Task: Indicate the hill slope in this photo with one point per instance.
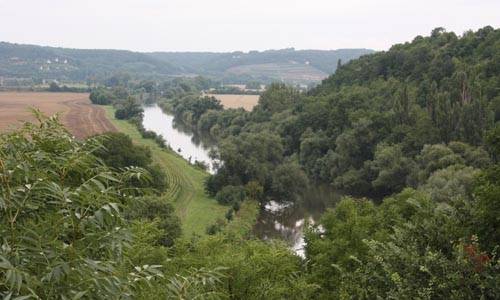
(37, 63)
(297, 66)
(30, 61)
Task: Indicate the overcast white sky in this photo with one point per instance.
(227, 25)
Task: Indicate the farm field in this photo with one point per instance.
(76, 112)
(246, 102)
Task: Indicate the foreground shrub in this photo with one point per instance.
(61, 227)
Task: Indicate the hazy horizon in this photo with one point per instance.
(237, 25)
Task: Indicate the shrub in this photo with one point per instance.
(230, 194)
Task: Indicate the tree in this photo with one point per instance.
(155, 209)
(102, 96)
(278, 97)
(340, 243)
(493, 142)
(54, 87)
(119, 152)
(288, 182)
(230, 194)
(391, 169)
(129, 109)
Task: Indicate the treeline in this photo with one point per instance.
(231, 90)
(55, 87)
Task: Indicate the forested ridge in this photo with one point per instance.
(414, 129)
(410, 136)
(374, 126)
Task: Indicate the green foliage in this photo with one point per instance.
(493, 142)
(248, 157)
(102, 96)
(189, 107)
(278, 97)
(254, 190)
(339, 243)
(253, 85)
(63, 233)
(54, 87)
(391, 168)
(248, 269)
(451, 183)
(379, 124)
(119, 152)
(409, 247)
(161, 212)
(487, 194)
(288, 182)
(221, 64)
(128, 109)
(230, 194)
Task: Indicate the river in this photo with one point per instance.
(275, 221)
(180, 139)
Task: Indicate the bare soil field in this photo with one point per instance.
(81, 117)
(247, 102)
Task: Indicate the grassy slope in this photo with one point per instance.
(193, 206)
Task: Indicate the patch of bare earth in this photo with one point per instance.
(246, 102)
(75, 110)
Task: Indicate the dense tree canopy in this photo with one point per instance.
(414, 128)
(369, 127)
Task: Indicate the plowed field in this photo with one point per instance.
(81, 117)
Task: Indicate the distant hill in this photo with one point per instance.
(37, 63)
(287, 64)
(29, 61)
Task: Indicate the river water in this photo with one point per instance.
(276, 221)
(180, 139)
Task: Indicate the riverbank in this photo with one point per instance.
(186, 191)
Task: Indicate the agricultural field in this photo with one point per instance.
(246, 102)
(82, 118)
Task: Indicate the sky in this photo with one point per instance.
(236, 25)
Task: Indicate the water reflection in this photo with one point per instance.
(287, 221)
(181, 139)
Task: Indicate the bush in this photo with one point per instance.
(158, 177)
(216, 227)
(102, 96)
(230, 194)
(229, 214)
(120, 152)
(129, 109)
(156, 209)
(62, 229)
